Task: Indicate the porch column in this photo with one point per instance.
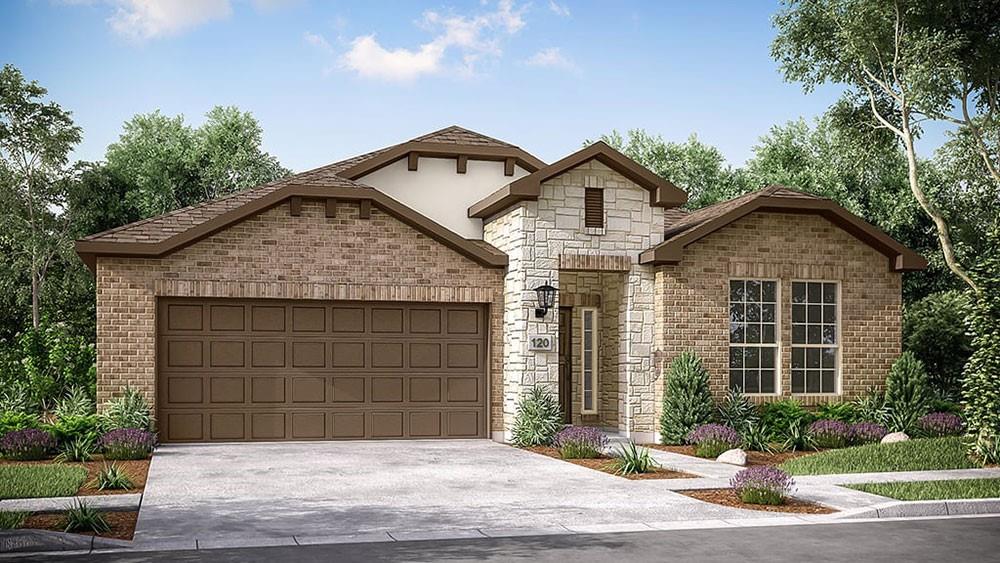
(637, 377)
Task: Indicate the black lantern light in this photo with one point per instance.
(546, 299)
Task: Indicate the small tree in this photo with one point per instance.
(907, 393)
(687, 401)
(981, 385)
(936, 330)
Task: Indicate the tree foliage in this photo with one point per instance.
(687, 401)
(936, 331)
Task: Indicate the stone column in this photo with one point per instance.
(637, 377)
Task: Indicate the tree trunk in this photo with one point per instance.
(36, 288)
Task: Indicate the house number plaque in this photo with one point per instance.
(540, 343)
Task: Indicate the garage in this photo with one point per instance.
(270, 370)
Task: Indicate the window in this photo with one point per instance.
(814, 337)
(753, 335)
(593, 208)
(588, 362)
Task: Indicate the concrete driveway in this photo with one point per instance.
(211, 492)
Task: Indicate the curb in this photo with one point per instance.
(918, 508)
(32, 541)
(119, 503)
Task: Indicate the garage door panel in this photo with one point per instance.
(232, 370)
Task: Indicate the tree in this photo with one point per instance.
(35, 140)
(904, 61)
(699, 169)
(229, 153)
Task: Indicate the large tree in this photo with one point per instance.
(36, 138)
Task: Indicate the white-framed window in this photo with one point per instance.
(588, 360)
(815, 337)
(753, 336)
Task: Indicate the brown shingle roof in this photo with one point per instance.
(456, 135)
(706, 214)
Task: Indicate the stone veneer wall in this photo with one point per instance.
(693, 296)
(275, 255)
(538, 236)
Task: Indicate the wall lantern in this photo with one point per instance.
(546, 300)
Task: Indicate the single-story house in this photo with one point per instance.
(418, 290)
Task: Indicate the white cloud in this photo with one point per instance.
(147, 19)
(317, 41)
(470, 37)
(551, 58)
(558, 9)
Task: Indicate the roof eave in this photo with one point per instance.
(442, 150)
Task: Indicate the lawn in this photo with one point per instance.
(40, 480)
(934, 490)
(913, 455)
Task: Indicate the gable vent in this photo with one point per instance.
(593, 203)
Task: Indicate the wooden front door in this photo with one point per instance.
(566, 363)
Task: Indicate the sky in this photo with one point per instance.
(331, 79)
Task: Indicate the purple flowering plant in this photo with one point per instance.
(867, 432)
(127, 443)
(762, 484)
(938, 424)
(27, 445)
(830, 433)
(575, 442)
(710, 440)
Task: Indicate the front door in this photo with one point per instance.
(566, 363)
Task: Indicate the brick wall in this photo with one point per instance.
(275, 255)
(693, 296)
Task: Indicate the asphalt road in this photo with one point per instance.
(965, 539)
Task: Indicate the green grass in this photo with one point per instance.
(913, 455)
(934, 490)
(11, 520)
(40, 480)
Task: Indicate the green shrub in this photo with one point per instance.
(538, 418)
(112, 477)
(755, 438)
(79, 449)
(797, 438)
(687, 401)
(12, 421)
(631, 460)
(844, 412)
(736, 411)
(981, 385)
(871, 407)
(72, 427)
(128, 410)
(11, 520)
(936, 331)
(76, 403)
(46, 363)
(779, 417)
(85, 518)
(907, 394)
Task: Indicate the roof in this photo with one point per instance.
(159, 235)
(695, 225)
(662, 193)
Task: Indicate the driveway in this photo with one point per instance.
(214, 491)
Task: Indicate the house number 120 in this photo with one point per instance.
(540, 343)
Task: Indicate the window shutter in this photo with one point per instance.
(593, 203)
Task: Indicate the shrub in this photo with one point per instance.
(112, 477)
(936, 331)
(79, 449)
(736, 411)
(127, 443)
(830, 433)
(11, 520)
(687, 401)
(942, 405)
(47, 362)
(867, 432)
(981, 380)
(870, 407)
(762, 484)
(755, 438)
(779, 417)
(907, 393)
(11, 421)
(27, 445)
(85, 518)
(538, 418)
(73, 427)
(939, 424)
(129, 410)
(631, 460)
(710, 440)
(577, 442)
(76, 403)
(844, 412)
(796, 438)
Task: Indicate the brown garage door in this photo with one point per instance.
(310, 370)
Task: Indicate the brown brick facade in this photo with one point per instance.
(276, 255)
(692, 307)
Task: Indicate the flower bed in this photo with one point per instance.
(122, 524)
(753, 457)
(603, 464)
(21, 479)
(728, 497)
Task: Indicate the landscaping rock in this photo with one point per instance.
(895, 437)
(735, 456)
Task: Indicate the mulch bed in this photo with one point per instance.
(753, 458)
(137, 471)
(727, 497)
(122, 524)
(603, 464)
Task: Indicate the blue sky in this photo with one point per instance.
(331, 79)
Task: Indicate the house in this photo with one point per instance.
(394, 295)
